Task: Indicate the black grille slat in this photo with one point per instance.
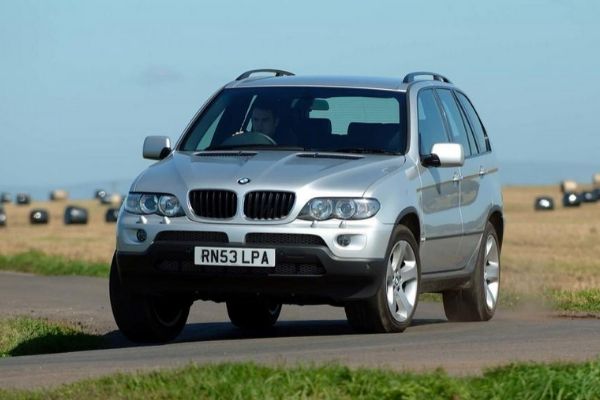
(284, 239)
(192, 236)
(268, 205)
(219, 204)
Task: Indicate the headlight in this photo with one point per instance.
(169, 205)
(153, 203)
(320, 209)
(149, 203)
(325, 208)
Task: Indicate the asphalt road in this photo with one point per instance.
(315, 334)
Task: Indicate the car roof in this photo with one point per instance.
(364, 82)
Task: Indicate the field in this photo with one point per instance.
(542, 251)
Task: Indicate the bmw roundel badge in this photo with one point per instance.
(243, 181)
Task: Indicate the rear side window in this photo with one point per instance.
(478, 130)
(431, 124)
(455, 121)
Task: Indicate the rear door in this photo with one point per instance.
(474, 202)
(439, 194)
(480, 185)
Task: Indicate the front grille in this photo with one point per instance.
(284, 239)
(218, 204)
(268, 205)
(192, 236)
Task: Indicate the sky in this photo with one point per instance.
(82, 83)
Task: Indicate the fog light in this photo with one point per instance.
(344, 240)
(141, 235)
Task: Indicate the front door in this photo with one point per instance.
(439, 194)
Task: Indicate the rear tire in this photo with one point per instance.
(145, 318)
(478, 302)
(253, 313)
(394, 304)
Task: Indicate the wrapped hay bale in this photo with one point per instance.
(112, 215)
(75, 215)
(39, 216)
(23, 199)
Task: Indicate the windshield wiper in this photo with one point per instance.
(364, 150)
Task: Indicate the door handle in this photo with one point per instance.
(482, 171)
(457, 177)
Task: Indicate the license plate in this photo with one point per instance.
(234, 257)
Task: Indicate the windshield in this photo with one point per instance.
(309, 118)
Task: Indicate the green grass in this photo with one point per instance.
(39, 263)
(21, 336)
(583, 301)
(250, 381)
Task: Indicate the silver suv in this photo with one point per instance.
(350, 191)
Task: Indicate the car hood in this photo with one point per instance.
(327, 173)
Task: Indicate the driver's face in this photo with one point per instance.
(263, 121)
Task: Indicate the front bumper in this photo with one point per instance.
(304, 274)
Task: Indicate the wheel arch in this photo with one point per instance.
(409, 217)
(496, 218)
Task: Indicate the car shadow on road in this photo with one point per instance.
(212, 331)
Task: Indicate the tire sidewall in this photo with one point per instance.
(479, 284)
(393, 325)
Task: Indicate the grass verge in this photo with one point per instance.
(580, 301)
(39, 263)
(20, 336)
(250, 381)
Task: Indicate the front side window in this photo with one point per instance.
(431, 124)
(311, 118)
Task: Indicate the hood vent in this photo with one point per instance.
(225, 154)
(330, 156)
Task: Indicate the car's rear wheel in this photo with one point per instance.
(145, 318)
(478, 302)
(394, 304)
(253, 313)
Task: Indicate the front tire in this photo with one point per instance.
(253, 314)
(145, 318)
(478, 302)
(394, 304)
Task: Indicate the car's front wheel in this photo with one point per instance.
(145, 318)
(394, 304)
(253, 313)
(478, 301)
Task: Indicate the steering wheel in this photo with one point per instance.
(249, 138)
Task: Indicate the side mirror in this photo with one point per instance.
(445, 155)
(156, 147)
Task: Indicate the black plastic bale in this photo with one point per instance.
(23, 199)
(2, 218)
(75, 215)
(544, 203)
(39, 216)
(111, 215)
(571, 199)
(100, 194)
(5, 197)
(589, 196)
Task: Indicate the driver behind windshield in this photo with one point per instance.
(265, 118)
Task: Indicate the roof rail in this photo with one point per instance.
(411, 77)
(277, 72)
